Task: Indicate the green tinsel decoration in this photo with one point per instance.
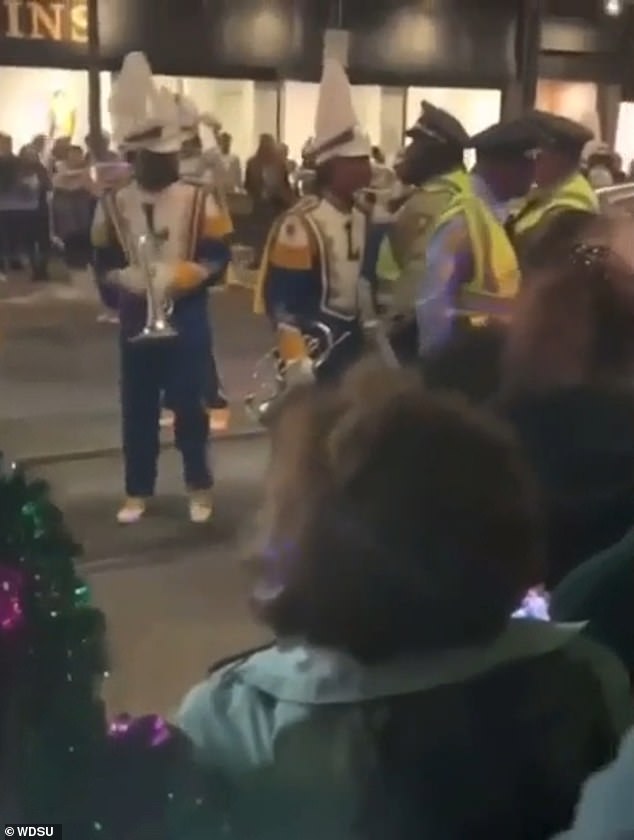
(67, 767)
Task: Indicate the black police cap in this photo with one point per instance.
(513, 138)
(439, 125)
(560, 132)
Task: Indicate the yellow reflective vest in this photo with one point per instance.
(575, 193)
(387, 269)
(495, 275)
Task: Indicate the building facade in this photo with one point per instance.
(255, 63)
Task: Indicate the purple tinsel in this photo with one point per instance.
(150, 730)
(11, 593)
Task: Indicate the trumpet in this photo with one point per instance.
(287, 370)
(159, 306)
(120, 224)
(142, 253)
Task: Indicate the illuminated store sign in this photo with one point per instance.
(44, 20)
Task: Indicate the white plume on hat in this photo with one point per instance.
(138, 107)
(189, 116)
(210, 121)
(337, 131)
(191, 120)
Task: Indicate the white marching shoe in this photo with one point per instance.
(201, 507)
(132, 511)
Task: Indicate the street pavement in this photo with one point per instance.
(175, 595)
(59, 371)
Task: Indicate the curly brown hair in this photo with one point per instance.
(574, 324)
(397, 521)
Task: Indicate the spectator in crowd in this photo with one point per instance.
(59, 153)
(73, 205)
(617, 170)
(383, 176)
(22, 201)
(305, 177)
(40, 144)
(401, 700)
(606, 809)
(567, 391)
(267, 183)
(377, 156)
(98, 149)
(266, 178)
(36, 240)
(230, 168)
(600, 592)
(376, 203)
(289, 163)
(600, 166)
(8, 181)
(192, 164)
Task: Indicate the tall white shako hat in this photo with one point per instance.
(337, 130)
(191, 119)
(144, 116)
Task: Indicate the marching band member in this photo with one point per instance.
(201, 168)
(311, 267)
(188, 254)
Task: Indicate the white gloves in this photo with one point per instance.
(132, 279)
(299, 372)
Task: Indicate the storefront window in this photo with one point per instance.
(624, 143)
(575, 100)
(230, 101)
(42, 100)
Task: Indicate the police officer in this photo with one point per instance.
(433, 164)
(455, 355)
(470, 275)
(505, 163)
(562, 193)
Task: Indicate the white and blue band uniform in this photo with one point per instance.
(503, 173)
(200, 168)
(311, 271)
(186, 227)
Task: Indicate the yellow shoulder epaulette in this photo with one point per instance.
(292, 245)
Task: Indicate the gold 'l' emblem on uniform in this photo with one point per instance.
(353, 254)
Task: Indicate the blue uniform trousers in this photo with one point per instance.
(177, 372)
(374, 239)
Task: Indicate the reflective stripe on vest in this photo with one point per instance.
(496, 274)
(391, 260)
(574, 194)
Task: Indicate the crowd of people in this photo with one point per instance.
(445, 556)
(49, 191)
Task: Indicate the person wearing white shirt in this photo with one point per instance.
(229, 166)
